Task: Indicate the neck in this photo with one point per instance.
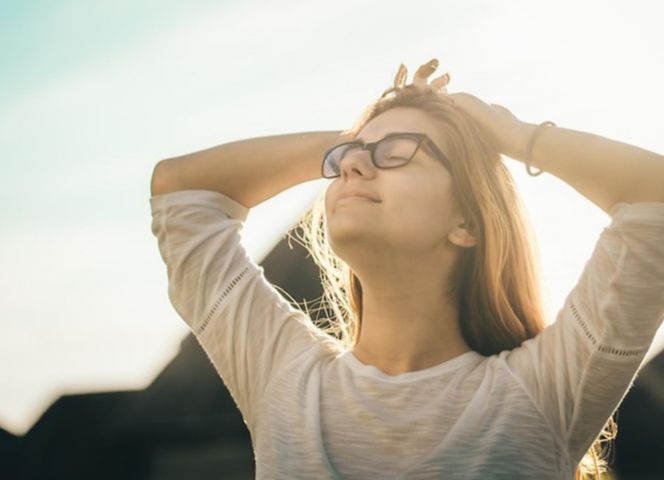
(405, 332)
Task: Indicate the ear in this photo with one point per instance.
(460, 235)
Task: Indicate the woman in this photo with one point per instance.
(437, 363)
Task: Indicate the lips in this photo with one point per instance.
(357, 193)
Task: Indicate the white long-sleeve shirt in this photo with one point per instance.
(315, 411)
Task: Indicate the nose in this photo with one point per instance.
(357, 162)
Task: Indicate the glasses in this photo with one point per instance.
(392, 151)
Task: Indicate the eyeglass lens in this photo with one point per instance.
(389, 152)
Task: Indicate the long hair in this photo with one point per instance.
(495, 284)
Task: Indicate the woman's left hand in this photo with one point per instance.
(506, 131)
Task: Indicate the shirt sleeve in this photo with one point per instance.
(579, 368)
(246, 327)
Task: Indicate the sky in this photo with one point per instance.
(94, 94)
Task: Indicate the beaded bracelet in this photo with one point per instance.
(529, 150)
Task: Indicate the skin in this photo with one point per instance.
(401, 248)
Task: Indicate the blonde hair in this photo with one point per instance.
(495, 284)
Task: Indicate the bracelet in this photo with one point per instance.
(529, 150)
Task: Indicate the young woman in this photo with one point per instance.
(439, 362)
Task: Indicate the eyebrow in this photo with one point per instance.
(358, 139)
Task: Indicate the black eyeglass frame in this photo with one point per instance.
(422, 138)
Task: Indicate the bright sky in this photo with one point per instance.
(91, 97)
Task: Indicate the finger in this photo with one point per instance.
(424, 71)
(440, 83)
(427, 69)
(400, 78)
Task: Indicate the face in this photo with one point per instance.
(413, 212)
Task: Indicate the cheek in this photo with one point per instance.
(419, 214)
(418, 195)
(327, 201)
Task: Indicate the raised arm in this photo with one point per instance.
(199, 202)
(251, 170)
(605, 171)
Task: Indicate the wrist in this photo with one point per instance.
(520, 143)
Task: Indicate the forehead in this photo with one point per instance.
(399, 119)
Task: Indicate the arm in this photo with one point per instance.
(604, 171)
(249, 171)
(199, 202)
(248, 330)
(579, 368)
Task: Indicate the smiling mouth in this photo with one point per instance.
(355, 197)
